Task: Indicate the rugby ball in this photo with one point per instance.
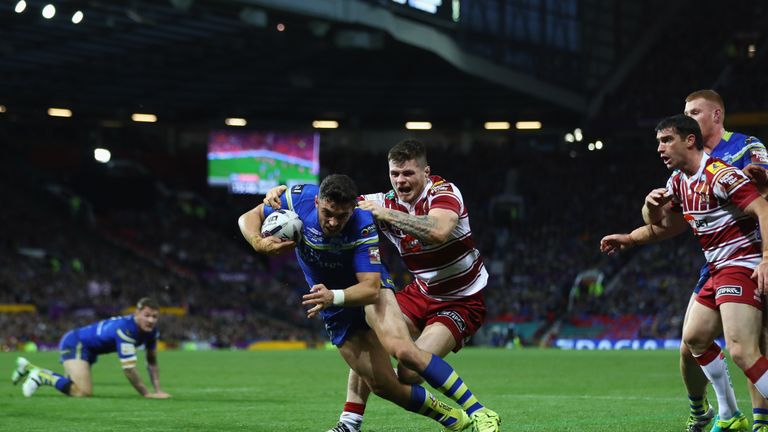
(283, 224)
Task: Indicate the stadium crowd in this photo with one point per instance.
(182, 250)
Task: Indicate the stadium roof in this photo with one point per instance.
(204, 60)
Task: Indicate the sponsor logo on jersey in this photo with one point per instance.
(758, 155)
(410, 243)
(455, 317)
(695, 223)
(374, 255)
(715, 167)
(365, 232)
(297, 189)
(730, 180)
(728, 290)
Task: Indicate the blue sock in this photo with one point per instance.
(57, 380)
(442, 377)
(761, 417)
(422, 402)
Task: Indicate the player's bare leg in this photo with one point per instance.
(365, 354)
(699, 333)
(79, 371)
(742, 328)
(76, 383)
(358, 391)
(436, 339)
(701, 413)
(385, 318)
(759, 403)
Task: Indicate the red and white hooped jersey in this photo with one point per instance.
(713, 202)
(445, 271)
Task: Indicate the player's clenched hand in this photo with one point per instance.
(761, 276)
(658, 197)
(158, 395)
(272, 198)
(320, 297)
(613, 243)
(274, 246)
(757, 174)
(373, 207)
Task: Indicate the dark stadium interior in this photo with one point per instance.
(83, 240)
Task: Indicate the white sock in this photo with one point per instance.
(353, 421)
(717, 373)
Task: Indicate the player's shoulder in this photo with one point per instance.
(741, 140)
(361, 224)
(441, 186)
(303, 190)
(301, 198)
(715, 166)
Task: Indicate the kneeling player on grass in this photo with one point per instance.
(339, 257)
(81, 347)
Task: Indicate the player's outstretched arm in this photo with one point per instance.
(365, 291)
(135, 380)
(250, 224)
(272, 198)
(671, 224)
(154, 374)
(432, 228)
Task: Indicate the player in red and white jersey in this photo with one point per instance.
(444, 270)
(712, 201)
(721, 205)
(425, 217)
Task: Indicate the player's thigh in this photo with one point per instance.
(702, 327)
(742, 325)
(386, 319)
(691, 302)
(367, 357)
(436, 339)
(764, 329)
(79, 371)
(413, 329)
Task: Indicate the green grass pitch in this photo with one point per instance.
(265, 167)
(532, 390)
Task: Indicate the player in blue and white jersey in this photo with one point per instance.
(81, 347)
(351, 290)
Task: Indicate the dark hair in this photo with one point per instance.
(683, 126)
(339, 189)
(147, 302)
(708, 95)
(409, 149)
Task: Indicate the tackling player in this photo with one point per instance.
(340, 260)
(81, 347)
(425, 218)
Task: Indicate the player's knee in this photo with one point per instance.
(78, 391)
(744, 356)
(685, 352)
(380, 388)
(695, 344)
(81, 393)
(408, 356)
